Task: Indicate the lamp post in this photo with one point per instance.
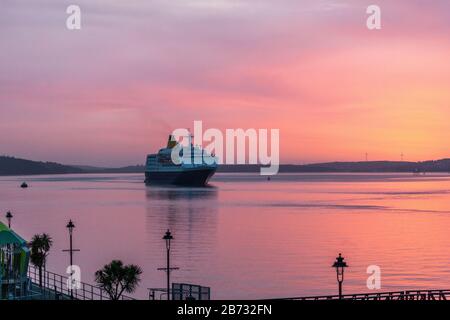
(168, 238)
(8, 259)
(9, 217)
(70, 226)
(340, 266)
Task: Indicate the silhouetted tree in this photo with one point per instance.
(40, 247)
(115, 278)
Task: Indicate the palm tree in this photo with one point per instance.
(115, 278)
(40, 246)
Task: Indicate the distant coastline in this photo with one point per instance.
(11, 166)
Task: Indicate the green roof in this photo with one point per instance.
(7, 236)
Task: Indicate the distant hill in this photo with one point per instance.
(374, 166)
(10, 166)
(15, 166)
(366, 166)
(128, 169)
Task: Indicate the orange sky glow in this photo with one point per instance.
(111, 92)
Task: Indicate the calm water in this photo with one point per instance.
(246, 237)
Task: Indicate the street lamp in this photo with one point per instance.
(70, 226)
(168, 238)
(9, 217)
(340, 266)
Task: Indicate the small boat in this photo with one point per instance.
(24, 185)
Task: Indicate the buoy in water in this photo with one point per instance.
(24, 185)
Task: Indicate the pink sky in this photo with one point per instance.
(112, 91)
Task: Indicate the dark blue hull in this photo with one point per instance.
(194, 177)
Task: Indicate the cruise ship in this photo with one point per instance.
(193, 165)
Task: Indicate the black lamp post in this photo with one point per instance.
(9, 217)
(8, 268)
(340, 266)
(168, 237)
(70, 226)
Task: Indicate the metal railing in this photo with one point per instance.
(180, 291)
(175, 294)
(392, 295)
(54, 287)
(428, 294)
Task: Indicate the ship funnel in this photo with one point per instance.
(171, 143)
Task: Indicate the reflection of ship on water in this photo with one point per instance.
(193, 166)
(176, 207)
(172, 193)
(191, 214)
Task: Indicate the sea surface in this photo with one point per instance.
(245, 236)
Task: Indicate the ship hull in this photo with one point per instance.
(194, 177)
